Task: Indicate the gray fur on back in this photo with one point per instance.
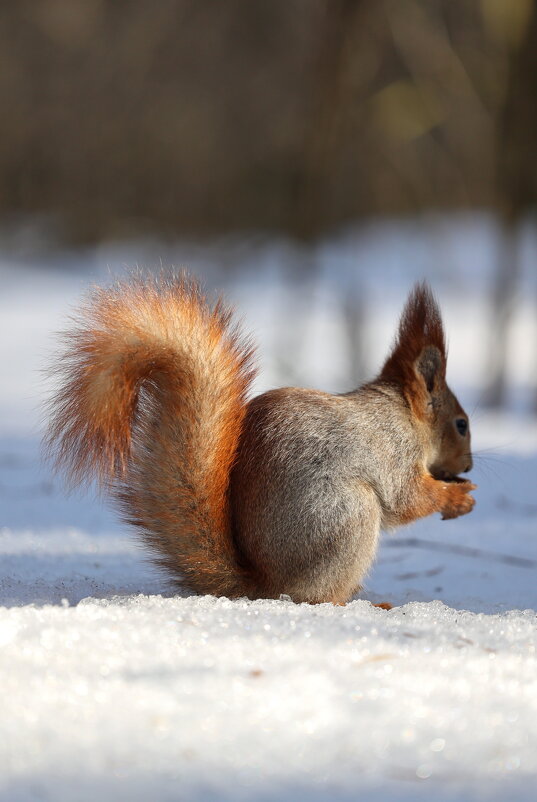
(316, 478)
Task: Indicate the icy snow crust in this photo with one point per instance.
(144, 697)
(113, 686)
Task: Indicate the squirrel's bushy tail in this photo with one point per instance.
(151, 400)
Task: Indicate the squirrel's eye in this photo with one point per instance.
(462, 426)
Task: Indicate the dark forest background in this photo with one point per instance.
(289, 115)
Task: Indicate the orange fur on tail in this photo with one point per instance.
(151, 401)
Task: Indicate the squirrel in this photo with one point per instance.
(283, 494)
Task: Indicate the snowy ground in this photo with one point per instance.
(112, 688)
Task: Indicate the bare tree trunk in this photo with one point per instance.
(329, 104)
(517, 193)
(503, 302)
(354, 318)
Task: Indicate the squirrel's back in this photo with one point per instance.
(321, 485)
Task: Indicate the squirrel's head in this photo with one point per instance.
(417, 365)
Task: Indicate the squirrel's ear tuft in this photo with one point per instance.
(418, 358)
(421, 322)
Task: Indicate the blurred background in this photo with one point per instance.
(312, 158)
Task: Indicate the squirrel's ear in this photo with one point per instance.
(430, 365)
(418, 359)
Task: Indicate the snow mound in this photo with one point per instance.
(145, 697)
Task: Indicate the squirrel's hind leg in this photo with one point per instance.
(340, 556)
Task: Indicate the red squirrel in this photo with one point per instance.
(285, 493)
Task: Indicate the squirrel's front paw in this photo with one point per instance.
(458, 501)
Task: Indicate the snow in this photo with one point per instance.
(147, 697)
(113, 687)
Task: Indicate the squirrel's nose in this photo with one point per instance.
(469, 466)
